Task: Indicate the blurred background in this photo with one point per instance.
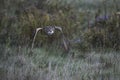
(91, 29)
(95, 22)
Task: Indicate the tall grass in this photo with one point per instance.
(50, 65)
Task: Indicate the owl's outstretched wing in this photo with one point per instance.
(63, 38)
(59, 28)
(118, 13)
(38, 29)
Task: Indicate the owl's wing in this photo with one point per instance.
(59, 28)
(38, 29)
(63, 38)
(118, 13)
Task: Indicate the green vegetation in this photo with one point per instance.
(92, 30)
(19, 19)
(22, 64)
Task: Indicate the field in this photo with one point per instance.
(22, 64)
(91, 30)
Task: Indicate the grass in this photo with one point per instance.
(49, 62)
(22, 64)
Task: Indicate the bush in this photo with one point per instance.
(107, 36)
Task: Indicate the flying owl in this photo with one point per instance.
(50, 30)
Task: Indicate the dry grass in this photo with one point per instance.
(51, 65)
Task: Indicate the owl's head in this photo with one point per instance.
(49, 30)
